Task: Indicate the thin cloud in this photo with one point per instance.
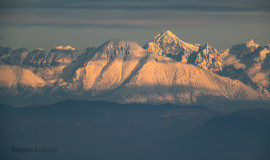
(78, 18)
(131, 13)
(138, 5)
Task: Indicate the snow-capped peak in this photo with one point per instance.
(168, 44)
(208, 58)
(116, 43)
(68, 47)
(39, 49)
(208, 47)
(169, 34)
(251, 43)
(166, 37)
(120, 44)
(119, 47)
(241, 50)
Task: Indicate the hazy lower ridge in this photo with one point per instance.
(104, 130)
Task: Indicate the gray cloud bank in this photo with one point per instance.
(182, 5)
(84, 23)
(132, 13)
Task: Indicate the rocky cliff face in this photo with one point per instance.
(168, 44)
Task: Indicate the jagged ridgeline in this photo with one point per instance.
(165, 70)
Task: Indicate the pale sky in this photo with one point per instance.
(89, 23)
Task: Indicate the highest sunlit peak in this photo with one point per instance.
(167, 32)
(251, 41)
(166, 36)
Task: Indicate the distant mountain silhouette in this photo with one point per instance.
(105, 130)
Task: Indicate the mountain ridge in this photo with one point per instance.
(165, 70)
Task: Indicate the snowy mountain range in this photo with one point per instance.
(165, 70)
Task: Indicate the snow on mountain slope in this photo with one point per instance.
(12, 76)
(15, 57)
(256, 72)
(169, 45)
(122, 71)
(207, 58)
(244, 55)
(241, 50)
(111, 65)
(39, 57)
(68, 47)
(4, 51)
(167, 71)
(56, 57)
(50, 65)
(36, 58)
(50, 75)
(248, 57)
(162, 80)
